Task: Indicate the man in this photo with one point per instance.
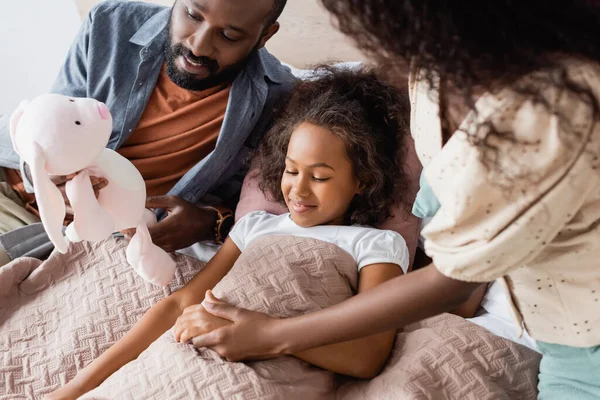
(191, 90)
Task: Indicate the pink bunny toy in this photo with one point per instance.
(60, 135)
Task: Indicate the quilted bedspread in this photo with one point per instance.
(58, 315)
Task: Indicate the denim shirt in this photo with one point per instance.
(117, 57)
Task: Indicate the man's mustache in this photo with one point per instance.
(212, 65)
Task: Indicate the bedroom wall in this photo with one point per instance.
(36, 35)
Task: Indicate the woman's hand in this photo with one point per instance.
(195, 321)
(249, 334)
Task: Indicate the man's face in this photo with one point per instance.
(212, 40)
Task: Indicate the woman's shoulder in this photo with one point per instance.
(527, 111)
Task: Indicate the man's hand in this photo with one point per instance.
(61, 183)
(184, 225)
(195, 321)
(251, 336)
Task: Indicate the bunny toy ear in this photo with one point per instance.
(49, 199)
(14, 122)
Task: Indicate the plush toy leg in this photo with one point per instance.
(90, 221)
(149, 260)
(71, 233)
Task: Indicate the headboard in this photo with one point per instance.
(306, 37)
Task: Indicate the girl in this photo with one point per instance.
(504, 99)
(334, 160)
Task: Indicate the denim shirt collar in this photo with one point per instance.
(154, 34)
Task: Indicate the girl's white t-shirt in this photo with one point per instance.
(365, 244)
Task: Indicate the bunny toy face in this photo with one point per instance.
(71, 132)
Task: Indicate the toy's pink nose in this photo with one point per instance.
(103, 110)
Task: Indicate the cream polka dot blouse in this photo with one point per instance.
(525, 207)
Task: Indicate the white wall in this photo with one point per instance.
(35, 36)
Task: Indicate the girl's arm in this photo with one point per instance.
(152, 325)
(361, 358)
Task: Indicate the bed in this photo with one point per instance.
(58, 315)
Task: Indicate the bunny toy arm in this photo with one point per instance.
(91, 221)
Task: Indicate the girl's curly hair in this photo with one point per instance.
(474, 44)
(371, 117)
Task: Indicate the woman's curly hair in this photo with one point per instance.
(474, 44)
(369, 116)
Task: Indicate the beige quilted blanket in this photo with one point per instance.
(56, 316)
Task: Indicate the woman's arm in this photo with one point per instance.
(361, 358)
(470, 307)
(152, 325)
(391, 305)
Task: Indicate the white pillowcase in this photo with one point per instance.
(309, 73)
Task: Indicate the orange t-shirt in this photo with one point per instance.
(177, 129)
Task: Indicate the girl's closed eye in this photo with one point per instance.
(320, 179)
(291, 172)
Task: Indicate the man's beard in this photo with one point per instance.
(187, 80)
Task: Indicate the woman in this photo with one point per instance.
(504, 99)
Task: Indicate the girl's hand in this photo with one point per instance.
(195, 321)
(249, 334)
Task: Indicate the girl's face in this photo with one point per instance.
(318, 183)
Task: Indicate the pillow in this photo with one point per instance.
(253, 199)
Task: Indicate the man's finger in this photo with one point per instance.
(98, 183)
(128, 233)
(166, 202)
(58, 179)
(61, 179)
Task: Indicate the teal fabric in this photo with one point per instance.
(569, 372)
(426, 204)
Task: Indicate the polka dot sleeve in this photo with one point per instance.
(504, 197)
